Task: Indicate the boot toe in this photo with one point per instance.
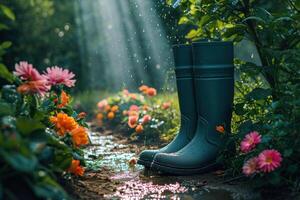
(146, 157)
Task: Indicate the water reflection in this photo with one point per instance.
(138, 183)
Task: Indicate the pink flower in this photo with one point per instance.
(134, 108)
(56, 75)
(27, 72)
(250, 166)
(35, 82)
(269, 160)
(146, 119)
(102, 104)
(250, 141)
(125, 92)
(132, 121)
(166, 105)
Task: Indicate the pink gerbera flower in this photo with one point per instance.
(250, 141)
(269, 160)
(250, 167)
(27, 72)
(56, 75)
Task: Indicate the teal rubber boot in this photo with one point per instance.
(214, 87)
(186, 96)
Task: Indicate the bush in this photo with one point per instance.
(41, 136)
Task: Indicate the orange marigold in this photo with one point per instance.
(79, 136)
(75, 168)
(111, 115)
(115, 108)
(64, 99)
(63, 123)
(107, 108)
(143, 88)
(100, 116)
(139, 128)
(220, 129)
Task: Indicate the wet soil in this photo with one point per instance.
(110, 176)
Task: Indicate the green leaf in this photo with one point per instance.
(8, 12)
(27, 126)
(6, 109)
(192, 34)
(254, 18)
(20, 162)
(3, 27)
(288, 152)
(239, 109)
(6, 44)
(258, 93)
(62, 159)
(47, 188)
(5, 74)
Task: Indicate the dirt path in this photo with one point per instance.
(111, 177)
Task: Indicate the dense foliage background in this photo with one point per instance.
(267, 93)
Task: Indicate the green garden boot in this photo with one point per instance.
(186, 95)
(214, 86)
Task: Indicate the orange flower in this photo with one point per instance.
(139, 128)
(115, 108)
(145, 107)
(132, 162)
(81, 115)
(151, 92)
(75, 168)
(107, 108)
(143, 88)
(133, 96)
(111, 115)
(100, 116)
(132, 121)
(39, 86)
(64, 100)
(220, 129)
(166, 105)
(79, 136)
(63, 123)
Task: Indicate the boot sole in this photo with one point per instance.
(146, 163)
(184, 171)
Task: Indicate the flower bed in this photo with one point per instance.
(41, 136)
(143, 116)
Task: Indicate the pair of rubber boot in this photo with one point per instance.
(205, 84)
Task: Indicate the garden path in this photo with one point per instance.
(113, 178)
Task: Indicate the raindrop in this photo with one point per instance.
(61, 34)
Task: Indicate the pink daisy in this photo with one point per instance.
(250, 166)
(269, 160)
(56, 75)
(250, 141)
(27, 72)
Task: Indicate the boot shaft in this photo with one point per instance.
(214, 86)
(185, 86)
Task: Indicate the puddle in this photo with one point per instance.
(138, 183)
